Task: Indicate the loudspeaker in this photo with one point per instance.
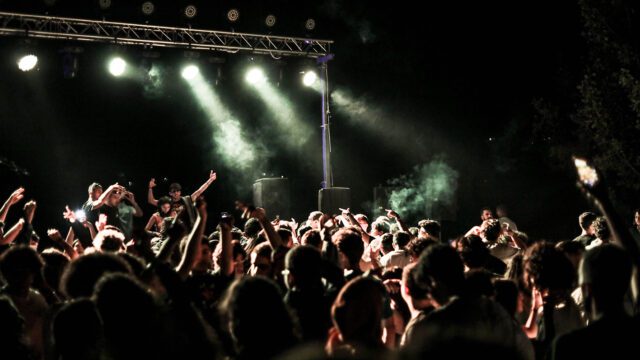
(272, 194)
(330, 200)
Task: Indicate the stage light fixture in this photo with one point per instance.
(255, 76)
(104, 4)
(310, 24)
(309, 78)
(81, 216)
(190, 11)
(233, 15)
(270, 21)
(117, 66)
(27, 62)
(190, 71)
(148, 8)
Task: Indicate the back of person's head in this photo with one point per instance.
(357, 312)
(260, 323)
(315, 215)
(109, 240)
(401, 239)
(303, 263)
(349, 243)
(252, 228)
(601, 228)
(491, 229)
(54, 264)
(20, 265)
(441, 272)
(430, 227)
(380, 226)
(586, 219)
(12, 335)
(473, 251)
(84, 272)
(136, 263)
(312, 238)
(606, 271)
(77, 331)
(547, 268)
(285, 235)
(386, 243)
(163, 201)
(478, 283)
(506, 294)
(414, 289)
(418, 245)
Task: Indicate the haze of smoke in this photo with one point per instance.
(153, 83)
(427, 184)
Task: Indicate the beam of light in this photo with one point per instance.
(255, 76)
(296, 131)
(190, 72)
(117, 66)
(309, 78)
(229, 139)
(28, 62)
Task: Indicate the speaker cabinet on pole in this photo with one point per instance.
(272, 194)
(330, 200)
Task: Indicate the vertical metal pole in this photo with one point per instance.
(326, 131)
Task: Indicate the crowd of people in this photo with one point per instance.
(334, 286)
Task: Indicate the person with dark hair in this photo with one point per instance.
(585, 220)
(109, 240)
(82, 273)
(260, 330)
(55, 263)
(601, 232)
(154, 225)
(306, 294)
(357, 315)
(475, 255)
(12, 332)
(251, 230)
(491, 230)
(549, 275)
(350, 249)
(604, 276)
(506, 294)
(71, 344)
(312, 238)
(486, 214)
(95, 191)
(131, 319)
(417, 245)
(261, 261)
(416, 298)
(400, 256)
(573, 250)
(429, 229)
(20, 267)
(440, 273)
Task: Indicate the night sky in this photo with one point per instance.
(454, 80)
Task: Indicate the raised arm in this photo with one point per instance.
(210, 180)
(226, 262)
(96, 204)
(354, 222)
(193, 243)
(270, 232)
(150, 198)
(394, 215)
(13, 199)
(132, 199)
(13, 233)
(55, 235)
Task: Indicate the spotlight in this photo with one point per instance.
(255, 76)
(28, 62)
(310, 24)
(80, 215)
(270, 21)
(148, 8)
(233, 15)
(190, 71)
(104, 4)
(117, 66)
(190, 11)
(309, 78)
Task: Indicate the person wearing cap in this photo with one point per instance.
(182, 205)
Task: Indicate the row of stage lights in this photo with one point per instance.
(118, 66)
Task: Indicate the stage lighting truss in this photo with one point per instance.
(49, 27)
(233, 15)
(190, 12)
(148, 8)
(270, 21)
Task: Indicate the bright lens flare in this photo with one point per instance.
(80, 215)
(309, 78)
(27, 63)
(255, 76)
(117, 66)
(190, 72)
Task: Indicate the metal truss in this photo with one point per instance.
(51, 27)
